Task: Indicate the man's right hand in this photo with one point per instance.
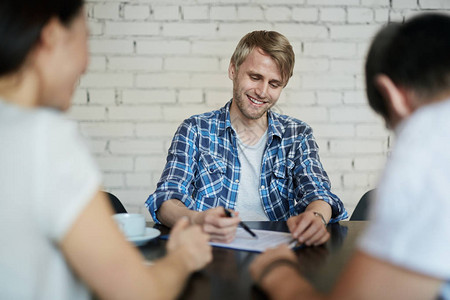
(220, 227)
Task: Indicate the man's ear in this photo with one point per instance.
(51, 33)
(231, 71)
(398, 102)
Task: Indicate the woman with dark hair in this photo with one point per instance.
(57, 239)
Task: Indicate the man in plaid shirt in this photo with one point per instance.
(248, 159)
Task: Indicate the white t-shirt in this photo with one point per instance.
(47, 177)
(248, 202)
(410, 224)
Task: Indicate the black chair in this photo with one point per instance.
(361, 210)
(116, 204)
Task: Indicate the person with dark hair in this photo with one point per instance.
(404, 253)
(58, 239)
(247, 158)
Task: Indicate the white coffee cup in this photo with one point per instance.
(131, 224)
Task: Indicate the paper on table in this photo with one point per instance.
(266, 239)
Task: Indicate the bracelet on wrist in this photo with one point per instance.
(318, 214)
(276, 263)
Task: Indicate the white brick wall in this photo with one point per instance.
(155, 63)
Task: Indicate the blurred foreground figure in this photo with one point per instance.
(57, 237)
(404, 254)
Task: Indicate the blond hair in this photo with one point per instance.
(271, 42)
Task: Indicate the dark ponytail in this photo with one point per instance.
(21, 23)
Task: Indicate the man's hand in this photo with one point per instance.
(308, 229)
(192, 243)
(220, 227)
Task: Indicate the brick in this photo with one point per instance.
(372, 131)
(135, 63)
(302, 30)
(189, 29)
(217, 99)
(344, 146)
(198, 12)
(353, 31)
(116, 163)
(305, 14)
(163, 129)
(278, 13)
(359, 15)
(330, 81)
(333, 50)
(190, 96)
(355, 97)
(375, 3)
(158, 80)
(113, 180)
(434, 4)
(135, 113)
(333, 2)
(102, 96)
(404, 4)
(215, 48)
(95, 28)
(110, 46)
(223, 13)
(332, 14)
(101, 80)
(151, 163)
(97, 63)
(337, 164)
(306, 114)
(134, 146)
(102, 129)
(166, 12)
(148, 96)
(86, 113)
(181, 112)
(355, 114)
(212, 80)
(307, 64)
(381, 15)
(162, 47)
(79, 96)
(252, 13)
(329, 98)
(370, 163)
(301, 98)
(136, 12)
(191, 64)
(356, 180)
(96, 147)
(334, 130)
(106, 11)
(347, 66)
(132, 28)
(137, 179)
(238, 30)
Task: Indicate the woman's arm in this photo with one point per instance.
(114, 269)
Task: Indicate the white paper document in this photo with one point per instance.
(266, 239)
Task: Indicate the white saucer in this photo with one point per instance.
(150, 233)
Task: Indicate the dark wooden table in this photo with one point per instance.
(227, 277)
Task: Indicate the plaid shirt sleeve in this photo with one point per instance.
(176, 179)
(311, 180)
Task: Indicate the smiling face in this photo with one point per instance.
(257, 85)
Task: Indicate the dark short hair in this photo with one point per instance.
(271, 42)
(414, 55)
(21, 23)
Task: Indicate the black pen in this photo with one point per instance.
(229, 214)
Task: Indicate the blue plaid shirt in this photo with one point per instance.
(203, 168)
